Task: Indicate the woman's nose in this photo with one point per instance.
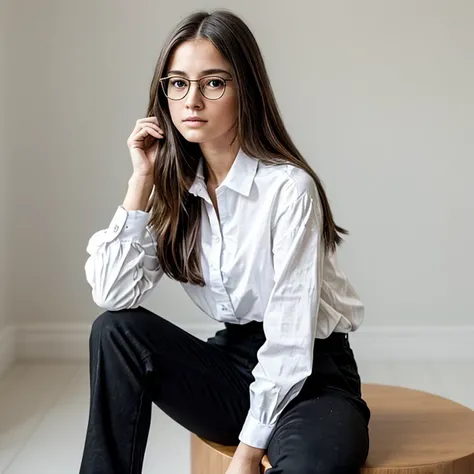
(194, 95)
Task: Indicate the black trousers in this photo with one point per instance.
(138, 358)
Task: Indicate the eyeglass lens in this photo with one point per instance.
(177, 87)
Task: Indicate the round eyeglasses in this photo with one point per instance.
(177, 87)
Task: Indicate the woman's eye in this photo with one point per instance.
(213, 83)
(177, 83)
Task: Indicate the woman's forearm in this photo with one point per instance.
(138, 193)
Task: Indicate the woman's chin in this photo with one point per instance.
(194, 136)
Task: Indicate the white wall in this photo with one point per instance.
(377, 95)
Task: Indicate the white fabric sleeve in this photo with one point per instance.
(285, 359)
(122, 268)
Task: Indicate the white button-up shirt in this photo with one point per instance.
(262, 259)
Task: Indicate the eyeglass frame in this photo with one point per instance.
(199, 86)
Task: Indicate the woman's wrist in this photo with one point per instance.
(138, 193)
(141, 178)
(249, 452)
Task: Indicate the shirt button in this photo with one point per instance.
(223, 307)
(216, 238)
(116, 227)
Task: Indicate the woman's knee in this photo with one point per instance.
(111, 320)
(136, 322)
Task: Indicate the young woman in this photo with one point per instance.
(221, 200)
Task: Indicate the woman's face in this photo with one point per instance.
(193, 60)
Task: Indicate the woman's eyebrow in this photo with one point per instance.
(203, 73)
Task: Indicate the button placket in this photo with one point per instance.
(221, 296)
(216, 247)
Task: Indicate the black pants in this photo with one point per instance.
(138, 358)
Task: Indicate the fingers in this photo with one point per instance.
(151, 131)
(144, 127)
(149, 121)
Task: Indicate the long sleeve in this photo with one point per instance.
(122, 268)
(285, 359)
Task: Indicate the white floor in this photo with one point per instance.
(44, 410)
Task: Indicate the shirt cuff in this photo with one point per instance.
(128, 224)
(254, 433)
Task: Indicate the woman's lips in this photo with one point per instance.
(194, 123)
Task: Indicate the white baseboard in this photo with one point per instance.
(7, 348)
(70, 342)
(60, 341)
(413, 342)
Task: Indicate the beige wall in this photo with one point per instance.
(3, 162)
(377, 95)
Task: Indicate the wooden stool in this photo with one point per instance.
(411, 432)
(213, 458)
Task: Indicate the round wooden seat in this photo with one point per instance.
(411, 432)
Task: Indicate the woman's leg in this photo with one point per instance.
(324, 429)
(138, 357)
(321, 435)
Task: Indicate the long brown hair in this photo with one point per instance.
(175, 214)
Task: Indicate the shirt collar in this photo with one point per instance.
(239, 178)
